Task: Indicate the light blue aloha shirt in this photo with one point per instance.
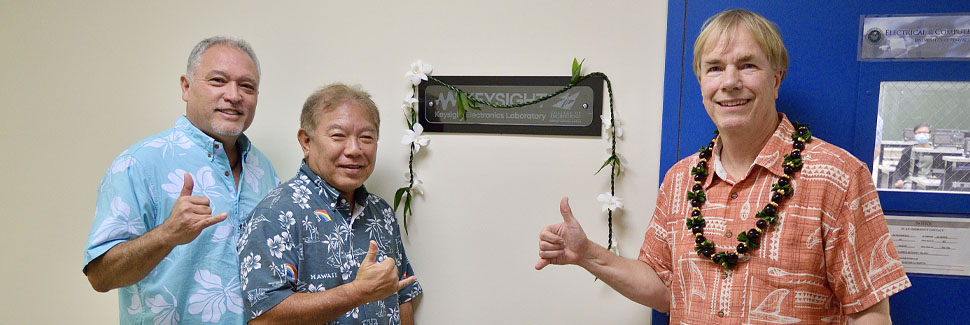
(304, 238)
(197, 282)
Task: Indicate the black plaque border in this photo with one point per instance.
(593, 129)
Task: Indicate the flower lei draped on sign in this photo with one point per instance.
(415, 139)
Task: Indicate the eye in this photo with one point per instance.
(748, 66)
(714, 69)
(219, 81)
(248, 87)
(368, 138)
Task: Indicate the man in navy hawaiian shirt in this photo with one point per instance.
(320, 248)
(169, 208)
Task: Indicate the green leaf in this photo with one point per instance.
(577, 69)
(407, 211)
(397, 196)
(606, 163)
(743, 237)
(407, 204)
(616, 167)
(462, 105)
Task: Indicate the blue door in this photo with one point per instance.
(838, 95)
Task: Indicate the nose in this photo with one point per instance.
(732, 79)
(352, 148)
(232, 94)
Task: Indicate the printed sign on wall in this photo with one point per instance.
(576, 111)
(915, 37)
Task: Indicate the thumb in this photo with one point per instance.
(187, 185)
(371, 257)
(566, 211)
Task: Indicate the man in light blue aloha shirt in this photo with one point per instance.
(169, 208)
(320, 248)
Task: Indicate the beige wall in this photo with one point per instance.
(81, 81)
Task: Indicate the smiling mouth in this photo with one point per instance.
(229, 111)
(352, 167)
(733, 103)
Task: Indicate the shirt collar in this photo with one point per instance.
(771, 157)
(332, 195)
(209, 143)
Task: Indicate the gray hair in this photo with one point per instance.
(332, 96)
(236, 43)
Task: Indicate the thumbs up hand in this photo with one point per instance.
(562, 243)
(190, 215)
(376, 281)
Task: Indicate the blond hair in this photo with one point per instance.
(765, 33)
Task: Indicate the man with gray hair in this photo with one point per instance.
(321, 248)
(169, 208)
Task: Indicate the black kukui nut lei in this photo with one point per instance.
(748, 239)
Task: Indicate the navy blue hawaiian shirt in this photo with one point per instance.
(303, 238)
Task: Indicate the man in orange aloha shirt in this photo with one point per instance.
(766, 224)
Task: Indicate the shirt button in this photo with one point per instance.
(727, 234)
(734, 195)
(210, 155)
(227, 173)
(720, 313)
(216, 146)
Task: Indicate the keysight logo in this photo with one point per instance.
(566, 100)
(443, 101)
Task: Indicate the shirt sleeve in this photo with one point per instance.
(268, 259)
(414, 289)
(861, 262)
(124, 208)
(655, 251)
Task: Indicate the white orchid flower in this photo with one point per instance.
(409, 99)
(416, 187)
(407, 109)
(610, 202)
(610, 124)
(414, 137)
(419, 71)
(408, 104)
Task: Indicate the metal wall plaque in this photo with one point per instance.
(915, 37)
(576, 111)
(932, 245)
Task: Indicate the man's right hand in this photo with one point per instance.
(376, 281)
(190, 215)
(562, 243)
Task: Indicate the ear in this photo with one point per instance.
(304, 139)
(184, 84)
(779, 76)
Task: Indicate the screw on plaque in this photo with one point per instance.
(585, 105)
(431, 104)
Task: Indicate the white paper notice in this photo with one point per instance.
(932, 245)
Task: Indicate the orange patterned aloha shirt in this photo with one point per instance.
(830, 253)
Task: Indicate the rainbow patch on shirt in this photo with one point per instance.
(290, 272)
(322, 214)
